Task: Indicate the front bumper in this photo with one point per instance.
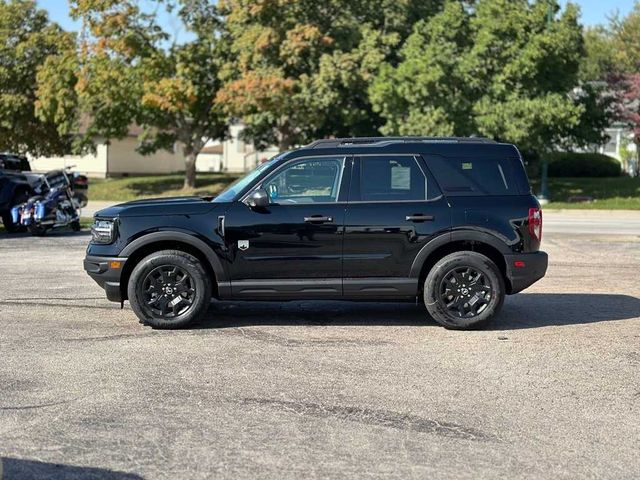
(106, 271)
(524, 269)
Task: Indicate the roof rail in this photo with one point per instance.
(336, 142)
(365, 141)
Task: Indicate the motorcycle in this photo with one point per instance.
(57, 203)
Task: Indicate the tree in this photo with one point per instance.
(299, 69)
(497, 68)
(626, 42)
(27, 40)
(127, 73)
(613, 60)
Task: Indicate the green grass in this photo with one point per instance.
(132, 188)
(608, 193)
(614, 193)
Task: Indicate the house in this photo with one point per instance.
(621, 147)
(232, 154)
(119, 157)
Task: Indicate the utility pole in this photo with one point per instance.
(543, 197)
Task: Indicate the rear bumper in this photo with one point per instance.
(106, 271)
(532, 267)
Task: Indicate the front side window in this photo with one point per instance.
(391, 178)
(312, 180)
(231, 191)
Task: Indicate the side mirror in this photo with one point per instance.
(258, 199)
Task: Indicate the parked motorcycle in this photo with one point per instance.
(60, 195)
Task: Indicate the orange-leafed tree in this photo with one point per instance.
(128, 70)
(299, 69)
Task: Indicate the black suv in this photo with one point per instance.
(449, 221)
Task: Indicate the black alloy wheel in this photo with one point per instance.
(169, 291)
(466, 291)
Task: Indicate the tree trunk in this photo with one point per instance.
(285, 137)
(190, 171)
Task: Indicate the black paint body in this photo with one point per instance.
(368, 250)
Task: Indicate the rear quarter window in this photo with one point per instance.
(476, 176)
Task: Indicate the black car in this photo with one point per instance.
(447, 221)
(15, 186)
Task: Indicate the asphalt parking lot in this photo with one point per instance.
(321, 389)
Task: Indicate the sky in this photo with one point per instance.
(594, 12)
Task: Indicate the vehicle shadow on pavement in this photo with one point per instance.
(526, 310)
(532, 310)
(18, 469)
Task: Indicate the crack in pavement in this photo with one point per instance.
(378, 418)
(294, 342)
(30, 407)
(65, 305)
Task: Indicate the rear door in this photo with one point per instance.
(394, 208)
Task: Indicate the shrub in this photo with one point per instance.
(573, 164)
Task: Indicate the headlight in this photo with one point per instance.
(102, 231)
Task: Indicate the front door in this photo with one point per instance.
(395, 207)
(293, 247)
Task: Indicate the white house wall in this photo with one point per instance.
(93, 165)
(122, 158)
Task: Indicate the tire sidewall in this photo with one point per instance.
(180, 259)
(436, 306)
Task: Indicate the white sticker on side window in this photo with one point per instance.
(401, 178)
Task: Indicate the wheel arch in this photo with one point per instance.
(157, 241)
(458, 241)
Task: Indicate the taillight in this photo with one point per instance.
(535, 223)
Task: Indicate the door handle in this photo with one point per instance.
(318, 219)
(419, 217)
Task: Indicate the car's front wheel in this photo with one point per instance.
(464, 291)
(169, 289)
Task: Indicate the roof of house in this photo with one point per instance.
(213, 150)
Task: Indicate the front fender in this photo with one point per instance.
(190, 238)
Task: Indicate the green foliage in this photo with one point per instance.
(27, 40)
(574, 164)
(126, 74)
(300, 69)
(599, 58)
(498, 69)
(611, 193)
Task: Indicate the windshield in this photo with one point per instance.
(237, 186)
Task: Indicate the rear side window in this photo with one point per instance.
(388, 178)
(475, 176)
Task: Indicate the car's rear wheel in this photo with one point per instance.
(464, 291)
(169, 289)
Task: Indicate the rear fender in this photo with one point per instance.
(456, 236)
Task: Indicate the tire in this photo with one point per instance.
(37, 230)
(7, 221)
(464, 291)
(169, 289)
(9, 226)
(75, 226)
